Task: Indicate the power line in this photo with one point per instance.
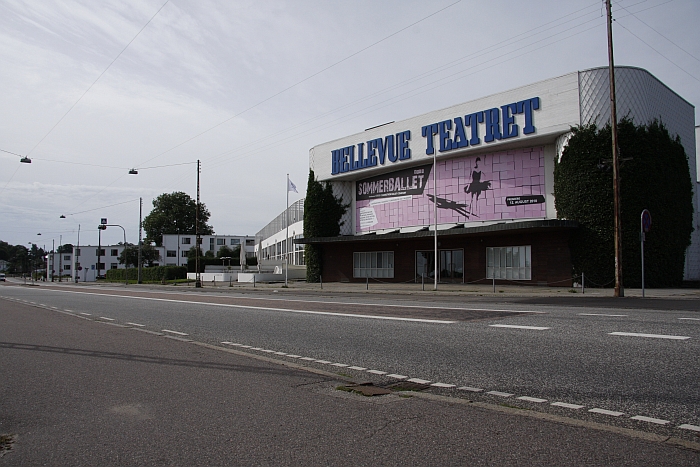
(303, 80)
(98, 78)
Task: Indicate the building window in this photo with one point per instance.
(235, 241)
(100, 252)
(250, 242)
(185, 253)
(186, 240)
(378, 264)
(221, 241)
(77, 252)
(66, 257)
(113, 265)
(451, 265)
(171, 254)
(114, 252)
(66, 267)
(211, 243)
(511, 262)
(100, 266)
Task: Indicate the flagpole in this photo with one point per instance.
(286, 238)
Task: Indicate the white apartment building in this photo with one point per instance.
(176, 247)
(270, 242)
(81, 265)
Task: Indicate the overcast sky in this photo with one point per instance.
(249, 86)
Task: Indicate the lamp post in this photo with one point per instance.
(126, 261)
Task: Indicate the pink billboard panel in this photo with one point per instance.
(499, 186)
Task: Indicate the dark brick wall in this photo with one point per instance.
(551, 260)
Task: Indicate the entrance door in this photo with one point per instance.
(451, 265)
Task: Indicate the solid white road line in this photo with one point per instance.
(602, 314)
(642, 418)
(567, 406)
(685, 426)
(532, 399)
(514, 326)
(309, 312)
(469, 388)
(174, 332)
(499, 393)
(136, 324)
(612, 413)
(656, 336)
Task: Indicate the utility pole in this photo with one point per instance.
(139, 280)
(60, 258)
(619, 288)
(198, 281)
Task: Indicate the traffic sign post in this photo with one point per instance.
(645, 227)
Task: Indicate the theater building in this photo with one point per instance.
(486, 167)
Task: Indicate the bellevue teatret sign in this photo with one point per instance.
(460, 132)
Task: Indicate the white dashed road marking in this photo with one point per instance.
(175, 332)
(358, 368)
(136, 324)
(532, 399)
(86, 314)
(658, 421)
(567, 406)
(395, 376)
(655, 336)
(108, 319)
(514, 326)
(376, 372)
(691, 319)
(342, 365)
(685, 426)
(443, 385)
(468, 388)
(499, 393)
(419, 381)
(612, 413)
(602, 314)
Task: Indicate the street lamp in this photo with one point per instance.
(126, 261)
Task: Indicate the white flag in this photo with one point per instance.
(291, 186)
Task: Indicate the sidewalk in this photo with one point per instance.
(486, 290)
(78, 392)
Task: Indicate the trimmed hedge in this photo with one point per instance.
(152, 274)
(654, 175)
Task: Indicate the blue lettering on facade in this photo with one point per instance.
(499, 124)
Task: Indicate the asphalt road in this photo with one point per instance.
(624, 366)
(86, 392)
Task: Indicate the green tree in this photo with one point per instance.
(654, 176)
(323, 212)
(175, 213)
(225, 251)
(130, 254)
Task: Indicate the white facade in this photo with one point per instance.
(547, 109)
(270, 242)
(176, 247)
(82, 262)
